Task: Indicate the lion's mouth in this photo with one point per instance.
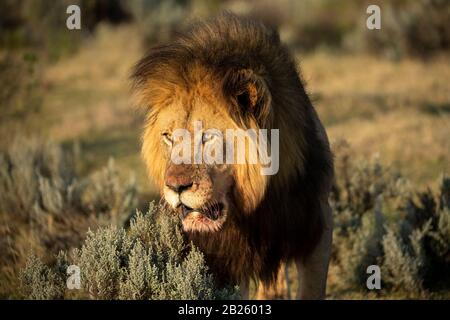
(208, 218)
(211, 211)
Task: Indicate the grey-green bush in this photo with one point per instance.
(41, 282)
(158, 20)
(46, 206)
(380, 220)
(149, 260)
(408, 28)
(38, 178)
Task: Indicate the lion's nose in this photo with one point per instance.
(178, 184)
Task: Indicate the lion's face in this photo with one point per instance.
(201, 193)
(205, 194)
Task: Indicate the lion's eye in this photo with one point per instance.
(167, 138)
(208, 136)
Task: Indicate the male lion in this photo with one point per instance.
(233, 72)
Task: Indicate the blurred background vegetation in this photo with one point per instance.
(382, 94)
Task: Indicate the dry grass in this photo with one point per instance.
(87, 99)
(89, 92)
(399, 110)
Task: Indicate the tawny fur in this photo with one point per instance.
(201, 74)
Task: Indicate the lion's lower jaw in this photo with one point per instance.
(197, 222)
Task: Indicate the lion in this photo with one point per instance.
(233, 72)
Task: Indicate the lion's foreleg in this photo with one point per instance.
(312, 271)
(278, 290)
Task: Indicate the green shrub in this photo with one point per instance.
(41, 282)
(357, 247)
(380, 220)
(158, 20)
(424, 236)
(39, 25)
(38, 179)
(149, 260)
(408, 28)
(417, 28)
(47, 206)
(401, 265)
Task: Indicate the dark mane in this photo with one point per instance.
(288, 222)
(227, 41)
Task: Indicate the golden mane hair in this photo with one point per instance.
(280, 215)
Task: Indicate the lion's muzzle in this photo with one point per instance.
(190, 191)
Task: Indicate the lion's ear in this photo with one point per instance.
(248, 90)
